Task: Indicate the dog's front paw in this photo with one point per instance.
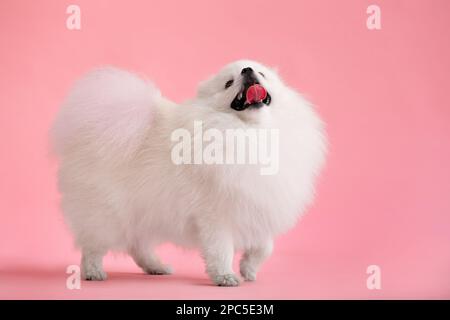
(226, 280)
(94, 275)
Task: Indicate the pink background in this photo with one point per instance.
(383, 199)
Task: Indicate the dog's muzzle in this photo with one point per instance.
(245, 99)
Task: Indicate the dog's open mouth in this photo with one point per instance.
(252, 95)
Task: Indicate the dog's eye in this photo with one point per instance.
(229, 83)
(262, 74)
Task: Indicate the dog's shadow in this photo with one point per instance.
(30, 273)
(168, 278)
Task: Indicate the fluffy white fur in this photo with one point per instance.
(121, 191)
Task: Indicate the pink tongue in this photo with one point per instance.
(256, 93)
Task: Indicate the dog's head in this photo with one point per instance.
(243, 87)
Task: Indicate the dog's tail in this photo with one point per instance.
(107, 113)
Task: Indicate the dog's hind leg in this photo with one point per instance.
(253, 258)
(148, 261)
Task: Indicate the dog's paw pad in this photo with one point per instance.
(227, 280)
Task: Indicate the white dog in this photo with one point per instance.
(122, 191)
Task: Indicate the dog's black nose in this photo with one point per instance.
(247, 70)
